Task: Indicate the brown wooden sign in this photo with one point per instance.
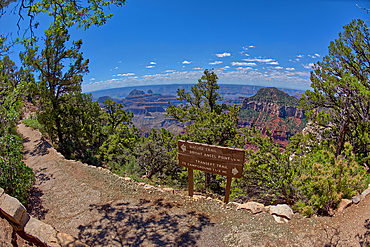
(213, 159)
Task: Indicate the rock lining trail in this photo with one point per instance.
(103, 209)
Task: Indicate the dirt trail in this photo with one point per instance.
(101, 209)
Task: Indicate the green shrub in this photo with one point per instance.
(327, 179)
(307, 175)
(15, 177)
(33, 122)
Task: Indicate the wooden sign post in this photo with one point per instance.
(213, 159)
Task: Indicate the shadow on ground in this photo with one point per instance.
(146, 223)
(41, 148)
(34, 204)
(364, 240)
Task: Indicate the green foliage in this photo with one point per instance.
(156, 155)
(68, 13)
(340, 98)
(15, 177)
(33, 122)
(307, 174)
(57, 83)
(81, 127)
(118, 137)
(267, 167)
(327, 179)
(211, 123)
(114, 115)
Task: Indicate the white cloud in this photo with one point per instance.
(127, 74)
(169, 71)
(198, 68)
(300, 56)
(290, 69)
(226, 67)
(215, 62)
(251, 46)
(308, 66)
(92, 79)
(277, 67)
(153, 63)
(186, 62)
(119, 61)
(317, 54)
(116, 68)
(260, 60)
(225, 54)
(274, 63)
(150, 67)
(243, 64)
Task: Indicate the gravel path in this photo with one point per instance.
(102, 209)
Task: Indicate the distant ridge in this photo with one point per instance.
(228, 91)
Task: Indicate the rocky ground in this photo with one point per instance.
(102, 209)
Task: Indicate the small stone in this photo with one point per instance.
(128, 179)
(38, 229)
(170, 190)
(344, 203)
(209, 198)
(141, 184)
(148, 186)
(280, 219)
(282, 210)
(254, 207)
(356, 199)
(198, 197)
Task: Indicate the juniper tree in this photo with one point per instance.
(340, 99)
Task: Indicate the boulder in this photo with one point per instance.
(344, 203)
(14, 211)
(39, 230)
(254, 207)
(282, 210)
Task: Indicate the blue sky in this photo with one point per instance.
(265, 42)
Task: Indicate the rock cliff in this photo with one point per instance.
(276, 110)
(275, 102)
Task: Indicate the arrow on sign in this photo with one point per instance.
(234, 171)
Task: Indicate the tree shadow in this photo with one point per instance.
(364, 240)
(34, 204)
(146, 223)
(334, 238)
(42, 177)
(41, 148)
